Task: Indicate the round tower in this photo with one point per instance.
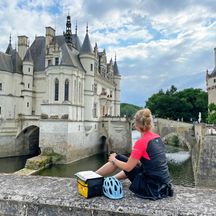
(117, 79)
(211, 83)
(87, 59)
(27, 83)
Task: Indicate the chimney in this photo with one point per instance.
(22, 46)
(50, 33)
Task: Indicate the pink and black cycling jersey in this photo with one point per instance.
(150, 150)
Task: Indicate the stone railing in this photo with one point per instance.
(36, 195)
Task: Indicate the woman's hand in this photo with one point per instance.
(112, 157)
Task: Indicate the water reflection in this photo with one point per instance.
(12, 164)
(68, 170)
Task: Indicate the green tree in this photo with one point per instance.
(175, 104)
(212, 114)
(129, 109)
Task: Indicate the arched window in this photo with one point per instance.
(75, 91)
(56, 89)
(66, 93)
(80, 93)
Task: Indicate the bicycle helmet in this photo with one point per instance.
(112, 188)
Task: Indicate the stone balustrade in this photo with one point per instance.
(52, 196)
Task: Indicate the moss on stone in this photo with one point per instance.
(38, 162)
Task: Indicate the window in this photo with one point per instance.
(0, 110)
(29, 69)
(0, 86)
(75, 91)
(56, 61)
(66, 93)
(56, 89)
(80, 93)
(27, 104)
(214, 80)
(91, 67)
(49, 62)
(95, 88)
(28, 85)
(95, 110)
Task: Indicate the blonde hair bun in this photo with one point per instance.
(143, 118)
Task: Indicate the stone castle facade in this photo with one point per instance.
(211, 83)
(58, 76)
(60, 95)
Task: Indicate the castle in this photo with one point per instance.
(211, 83)
(57, 75)
(60, 95)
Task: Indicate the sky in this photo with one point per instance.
(158, 43)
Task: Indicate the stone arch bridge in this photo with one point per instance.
(201, 142)
(168, 128)
(71, 139)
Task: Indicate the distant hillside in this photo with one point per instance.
(129, 109)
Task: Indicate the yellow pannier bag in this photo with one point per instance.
(89, 184)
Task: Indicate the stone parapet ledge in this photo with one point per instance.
(37, 195)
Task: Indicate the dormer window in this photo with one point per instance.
(56, 61)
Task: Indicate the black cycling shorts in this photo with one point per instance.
(132, 174)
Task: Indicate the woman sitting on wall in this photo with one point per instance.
(146, 167)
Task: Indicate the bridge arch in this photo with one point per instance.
(180, 137)
(103, 144)
(28, 140)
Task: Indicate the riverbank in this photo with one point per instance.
(36, 195)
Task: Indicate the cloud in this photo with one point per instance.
(157, 43)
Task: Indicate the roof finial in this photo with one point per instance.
(87, 28)
(115, 57)
(76, 28)
(10, 39)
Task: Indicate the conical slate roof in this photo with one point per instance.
(86, 46)
(9, 49)
(28, 56)
(115, 69)
(213, 74)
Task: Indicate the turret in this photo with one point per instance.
(211, 83)
(87, 59)
(9, 48)
(117, 79)
(28, 83)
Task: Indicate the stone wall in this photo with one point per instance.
(201, 141)
(37, 195)
(119, 136)
(76, 140)
(205, 169)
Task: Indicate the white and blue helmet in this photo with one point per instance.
(112, 188)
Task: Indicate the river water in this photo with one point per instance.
(179, 163)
